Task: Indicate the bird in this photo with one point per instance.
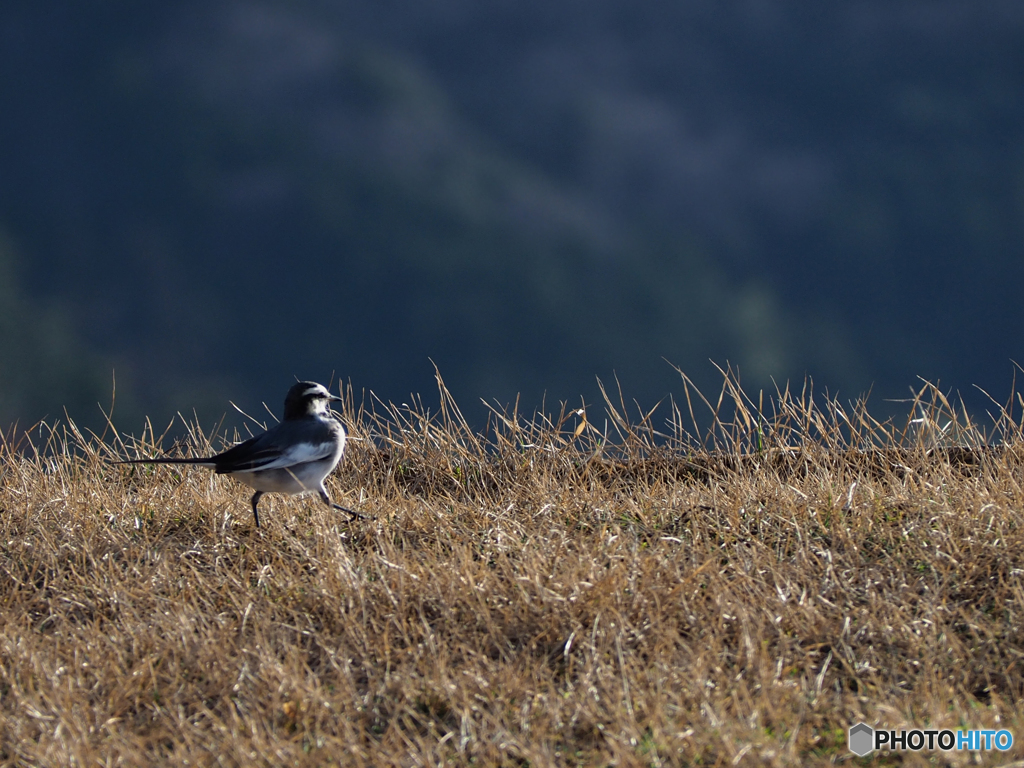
(293, 457)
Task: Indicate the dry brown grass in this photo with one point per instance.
(555, 592)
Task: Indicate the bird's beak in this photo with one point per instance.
(334, 399)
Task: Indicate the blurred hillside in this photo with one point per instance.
(212, 198)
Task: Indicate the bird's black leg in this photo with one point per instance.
(352, 514)
(255, 501)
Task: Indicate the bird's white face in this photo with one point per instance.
(307, 398)
(317, 399)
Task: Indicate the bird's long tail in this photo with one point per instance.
(195, 460)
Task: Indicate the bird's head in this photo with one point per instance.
(307, 398)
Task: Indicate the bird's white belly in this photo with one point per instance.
(298, 478)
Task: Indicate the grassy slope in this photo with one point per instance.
(530, 597)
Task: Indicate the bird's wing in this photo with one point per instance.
(249, 456)
(301, 453)
(280, 447)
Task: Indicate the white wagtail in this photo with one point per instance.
(293, 457)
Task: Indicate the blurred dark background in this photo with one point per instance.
(210, 198)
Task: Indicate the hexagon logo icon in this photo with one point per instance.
(861, 739)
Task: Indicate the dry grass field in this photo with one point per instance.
(591, 588)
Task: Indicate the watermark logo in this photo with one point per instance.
(862, 740)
